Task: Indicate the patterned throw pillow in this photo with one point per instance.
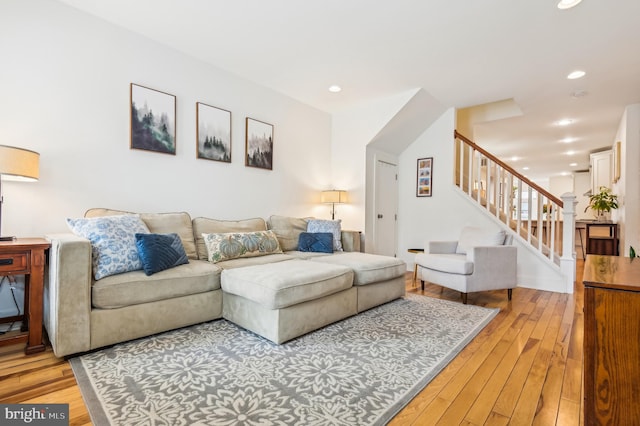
(160, 251)
(333, 226)
(318, 242)
(113, 242)
(232, 245)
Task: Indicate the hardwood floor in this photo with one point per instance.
(524, 368)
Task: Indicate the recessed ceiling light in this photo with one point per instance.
(564, 122)
(568, 4)
(335, 88)
(573, 164)
(514, 158)
(579, 93)
(565, 174)
(570, 152)
(576, 74)
(568, 140)
(525, 168)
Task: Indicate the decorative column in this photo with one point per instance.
(568, 258)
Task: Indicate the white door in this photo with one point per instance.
(386, 208)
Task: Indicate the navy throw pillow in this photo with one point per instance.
(318, 242)
(158, 252)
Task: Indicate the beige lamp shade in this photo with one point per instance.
(19, 164)
(333, 196)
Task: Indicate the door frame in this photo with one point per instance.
(373, 156)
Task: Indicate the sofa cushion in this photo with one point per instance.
(451, 263)
(288, 230)
(474, 237)
(317, 242)
(240, 244)
(158, 252)
(368, 268)
(203, 225)
(333, 226)
(113, 243)
(282, 284)
(241, 262)
(160, 223)
(134, 288)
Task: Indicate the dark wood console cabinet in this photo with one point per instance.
(611, 340)
(602, 238)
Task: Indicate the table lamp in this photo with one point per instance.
(333, 197)
(16, 164)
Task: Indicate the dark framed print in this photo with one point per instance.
(213, 133)
(259, 144)
(424, 178)
(153, 120)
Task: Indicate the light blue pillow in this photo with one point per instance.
(160, 251)
(333, 226)
(113, 242)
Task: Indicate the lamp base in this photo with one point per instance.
(7, 238)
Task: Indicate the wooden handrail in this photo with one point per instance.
(508, 168)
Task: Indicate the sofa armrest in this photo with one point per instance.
(67, 294)
(350, 240)
(441, 247)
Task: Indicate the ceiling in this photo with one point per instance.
(461, 52)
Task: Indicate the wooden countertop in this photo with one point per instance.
(612, 272)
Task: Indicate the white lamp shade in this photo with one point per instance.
(333, 196)
(19, 164)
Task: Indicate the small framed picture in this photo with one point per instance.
(424, 178)
(153, 120)
(213, 133)
(259, 144)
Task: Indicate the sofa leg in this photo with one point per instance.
(509, 293)
(422, 284)
(464, 298)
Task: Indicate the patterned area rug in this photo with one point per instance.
(360, 371)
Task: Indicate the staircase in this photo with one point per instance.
(541, 221)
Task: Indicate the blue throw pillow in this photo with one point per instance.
(160, 251)
(318, 242)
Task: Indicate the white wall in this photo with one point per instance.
(65, 80)
(447, 211)
(581, 185)
(628, 187)
(64, 85)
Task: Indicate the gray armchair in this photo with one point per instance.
(478, 261)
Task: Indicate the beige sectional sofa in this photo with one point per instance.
(279, 296)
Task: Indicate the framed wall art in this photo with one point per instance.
(153, 120)
(213, 133)
(259, 144)
(424, 178)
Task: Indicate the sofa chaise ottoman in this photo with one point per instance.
(284, 300)
(377, 279)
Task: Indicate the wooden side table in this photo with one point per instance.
(27, 256)
(415, 265)
(602, 238)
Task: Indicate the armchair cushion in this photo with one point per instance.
(450, 263)
(474, 237)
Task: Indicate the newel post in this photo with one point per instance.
(568, 258)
